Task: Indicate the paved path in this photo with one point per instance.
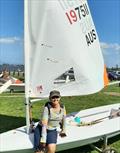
(12, 96)
(112, 93)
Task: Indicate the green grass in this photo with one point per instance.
(12, 111)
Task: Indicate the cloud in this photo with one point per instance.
(10, 40)
(114, 46)
(111, 53)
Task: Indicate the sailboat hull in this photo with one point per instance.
(17, 141)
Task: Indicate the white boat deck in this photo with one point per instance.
(17, 139)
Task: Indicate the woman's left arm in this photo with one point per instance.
(63, 132)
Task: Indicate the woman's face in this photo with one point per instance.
(55, 100)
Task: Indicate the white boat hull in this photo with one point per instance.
(18, 141)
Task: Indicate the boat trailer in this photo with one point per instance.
(106, 148)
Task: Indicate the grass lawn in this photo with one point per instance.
(12, 111)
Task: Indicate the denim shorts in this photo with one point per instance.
(51, 136)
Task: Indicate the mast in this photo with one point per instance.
(26, 62)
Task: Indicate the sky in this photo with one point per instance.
(106, 16)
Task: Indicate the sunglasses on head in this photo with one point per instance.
(55, 97)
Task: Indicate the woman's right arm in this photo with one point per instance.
(44, 125)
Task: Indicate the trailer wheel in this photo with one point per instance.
(109, 150)
(11, 90)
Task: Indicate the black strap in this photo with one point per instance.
(49, 105)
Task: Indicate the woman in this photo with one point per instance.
(53, 118)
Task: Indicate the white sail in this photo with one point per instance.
(62, 36)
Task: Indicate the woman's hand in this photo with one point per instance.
(62, 134)
(42, 146)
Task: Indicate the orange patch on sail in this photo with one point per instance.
(106, 81)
